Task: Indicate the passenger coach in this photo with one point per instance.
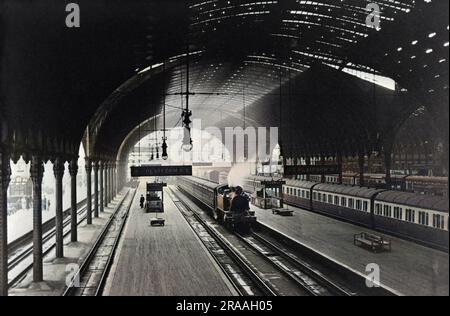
(421, 218)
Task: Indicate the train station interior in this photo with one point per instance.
(224, 148)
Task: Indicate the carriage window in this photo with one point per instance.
(330, 199)
(295, 192)
(358, 205)
(336, 200)
(378, 209)
(398, 213)
(351, 203)
(410, 216)
(320, 196)
(438, 222)
(387, 211)
(365, 206)
(424, 218)
(314, 196)
(324, 198)
(307, 195)
(344, 202)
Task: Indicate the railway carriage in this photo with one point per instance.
(298, 193)
(421, 218)
(345, 202)
(418, 217)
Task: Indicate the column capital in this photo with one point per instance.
(59, 168)
(73, 167)
(96, 165)
(5, 168)
(88, 165)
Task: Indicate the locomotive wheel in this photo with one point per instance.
(219, 218)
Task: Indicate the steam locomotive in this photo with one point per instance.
(217, 198)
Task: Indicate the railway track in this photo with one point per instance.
(299, 272)
(238, 271)
(21, 262)
(281, 272)
(291, 268)
(93, 272)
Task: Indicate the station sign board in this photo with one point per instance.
(312, 170)
(155, 187)
(161, 171)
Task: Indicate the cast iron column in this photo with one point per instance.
(308, 163)
(111, 197)
(101, 201)
(88, 167)
(37, 173)
(339, 162)
(96, 188)
(115, 179)
(5, 178)
(58, 170)
(105, 169)
(361, 170)
(323, 178)
(73, 170)
(388, 163)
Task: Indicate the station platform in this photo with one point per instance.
(409, 269)
(57, 271)
(163, 261)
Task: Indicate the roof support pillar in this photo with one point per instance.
(339, 162)
(101, 188)
(58, 170)
(106, 179)
(114, 180)
(37, 173)
(96, 168)
(88, 167)
(5, 178)
(73, 170)
(110, 191)
(361, 163)
(308, 163)
(323, 178)
(388, 163)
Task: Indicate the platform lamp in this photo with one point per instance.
(152, 156)
(155, 129)
(157, 151)
(280, 142)
(164, 146)
(186, 114)
(187, 140)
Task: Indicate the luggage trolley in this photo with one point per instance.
(155, 202)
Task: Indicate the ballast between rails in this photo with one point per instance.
(330, 286)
